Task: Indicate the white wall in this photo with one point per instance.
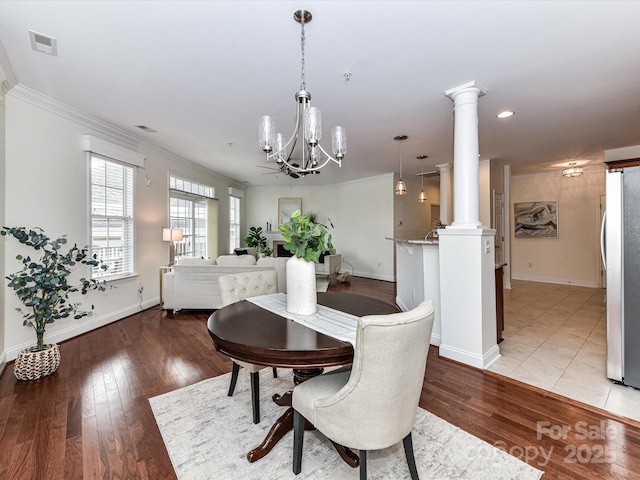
(412, 219)
(2, 222)
(572, 258)
(46, 186)
(361, 212)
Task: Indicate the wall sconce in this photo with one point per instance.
(172, 235)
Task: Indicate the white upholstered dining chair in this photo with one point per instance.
(234, 288)
(372, 404)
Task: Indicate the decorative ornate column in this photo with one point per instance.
(466, 151)
(446, 194)
(467, 267)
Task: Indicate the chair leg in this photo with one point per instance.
(298, 439)
(234, 378)
(275, 372)
(411, 460)
(255, 396)
(363, 465)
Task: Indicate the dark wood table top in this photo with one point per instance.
(249, 333)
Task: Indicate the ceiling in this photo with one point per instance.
(202, 73)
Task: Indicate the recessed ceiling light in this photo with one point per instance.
(506, 114)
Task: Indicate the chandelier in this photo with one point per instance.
(309, 120)
(572, 171)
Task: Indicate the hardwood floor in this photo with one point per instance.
(92, 419)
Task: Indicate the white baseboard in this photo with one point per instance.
(375, 276)
(559, 281)
(3, 362)
(469, 358)
(79, 329)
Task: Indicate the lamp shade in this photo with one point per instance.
(172, 234)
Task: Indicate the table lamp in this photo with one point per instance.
(171, 235)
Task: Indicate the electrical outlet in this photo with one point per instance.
(140, 288)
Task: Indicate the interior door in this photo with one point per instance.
(498, 224)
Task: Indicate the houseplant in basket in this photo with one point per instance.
(306, 240)
(43, 288)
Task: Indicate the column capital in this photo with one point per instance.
(444, 167)
(472, 86)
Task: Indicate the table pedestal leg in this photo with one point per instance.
(284, 424)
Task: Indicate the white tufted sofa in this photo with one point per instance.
(193, 283)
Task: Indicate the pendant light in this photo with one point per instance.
(422, 197)
(572, 171)
(401, 188)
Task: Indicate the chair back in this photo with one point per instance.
(241, 285)
(377, 407)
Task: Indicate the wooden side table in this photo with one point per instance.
(163, 269)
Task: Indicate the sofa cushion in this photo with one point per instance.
(236, 260)
(195, 261)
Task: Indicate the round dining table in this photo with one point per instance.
(247, 332)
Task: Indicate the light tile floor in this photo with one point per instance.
(555, 339)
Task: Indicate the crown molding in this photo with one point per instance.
(557, 173)
(56, 107)
(375, 178)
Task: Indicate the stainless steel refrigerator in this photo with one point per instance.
(621, 257)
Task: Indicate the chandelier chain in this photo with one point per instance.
(303, 83)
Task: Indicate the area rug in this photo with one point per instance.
(208, 435)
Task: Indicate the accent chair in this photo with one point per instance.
(234, 288)
(372, 404)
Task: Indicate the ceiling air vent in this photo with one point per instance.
(43, 43)
(144, 128)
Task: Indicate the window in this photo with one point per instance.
(112, 216)
(188, 211)
(234, 223)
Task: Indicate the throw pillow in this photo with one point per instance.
(240, 251)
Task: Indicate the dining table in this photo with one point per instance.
(252, 333)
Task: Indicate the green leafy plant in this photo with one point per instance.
(258, 240)
(313, 217)
(43, 285)
(303, 237)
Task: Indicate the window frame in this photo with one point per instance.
(128, 220)
(233, 241)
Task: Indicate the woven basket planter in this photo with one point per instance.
(32, 365)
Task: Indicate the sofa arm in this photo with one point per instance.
(167, 290)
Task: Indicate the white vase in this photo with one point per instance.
(301, 287)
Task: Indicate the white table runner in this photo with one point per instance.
(326, 320)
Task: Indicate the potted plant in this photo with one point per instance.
(257, 240)
(43, 288)
(306, 240)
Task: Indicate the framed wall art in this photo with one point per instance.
(536, 219)
(286, 206)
